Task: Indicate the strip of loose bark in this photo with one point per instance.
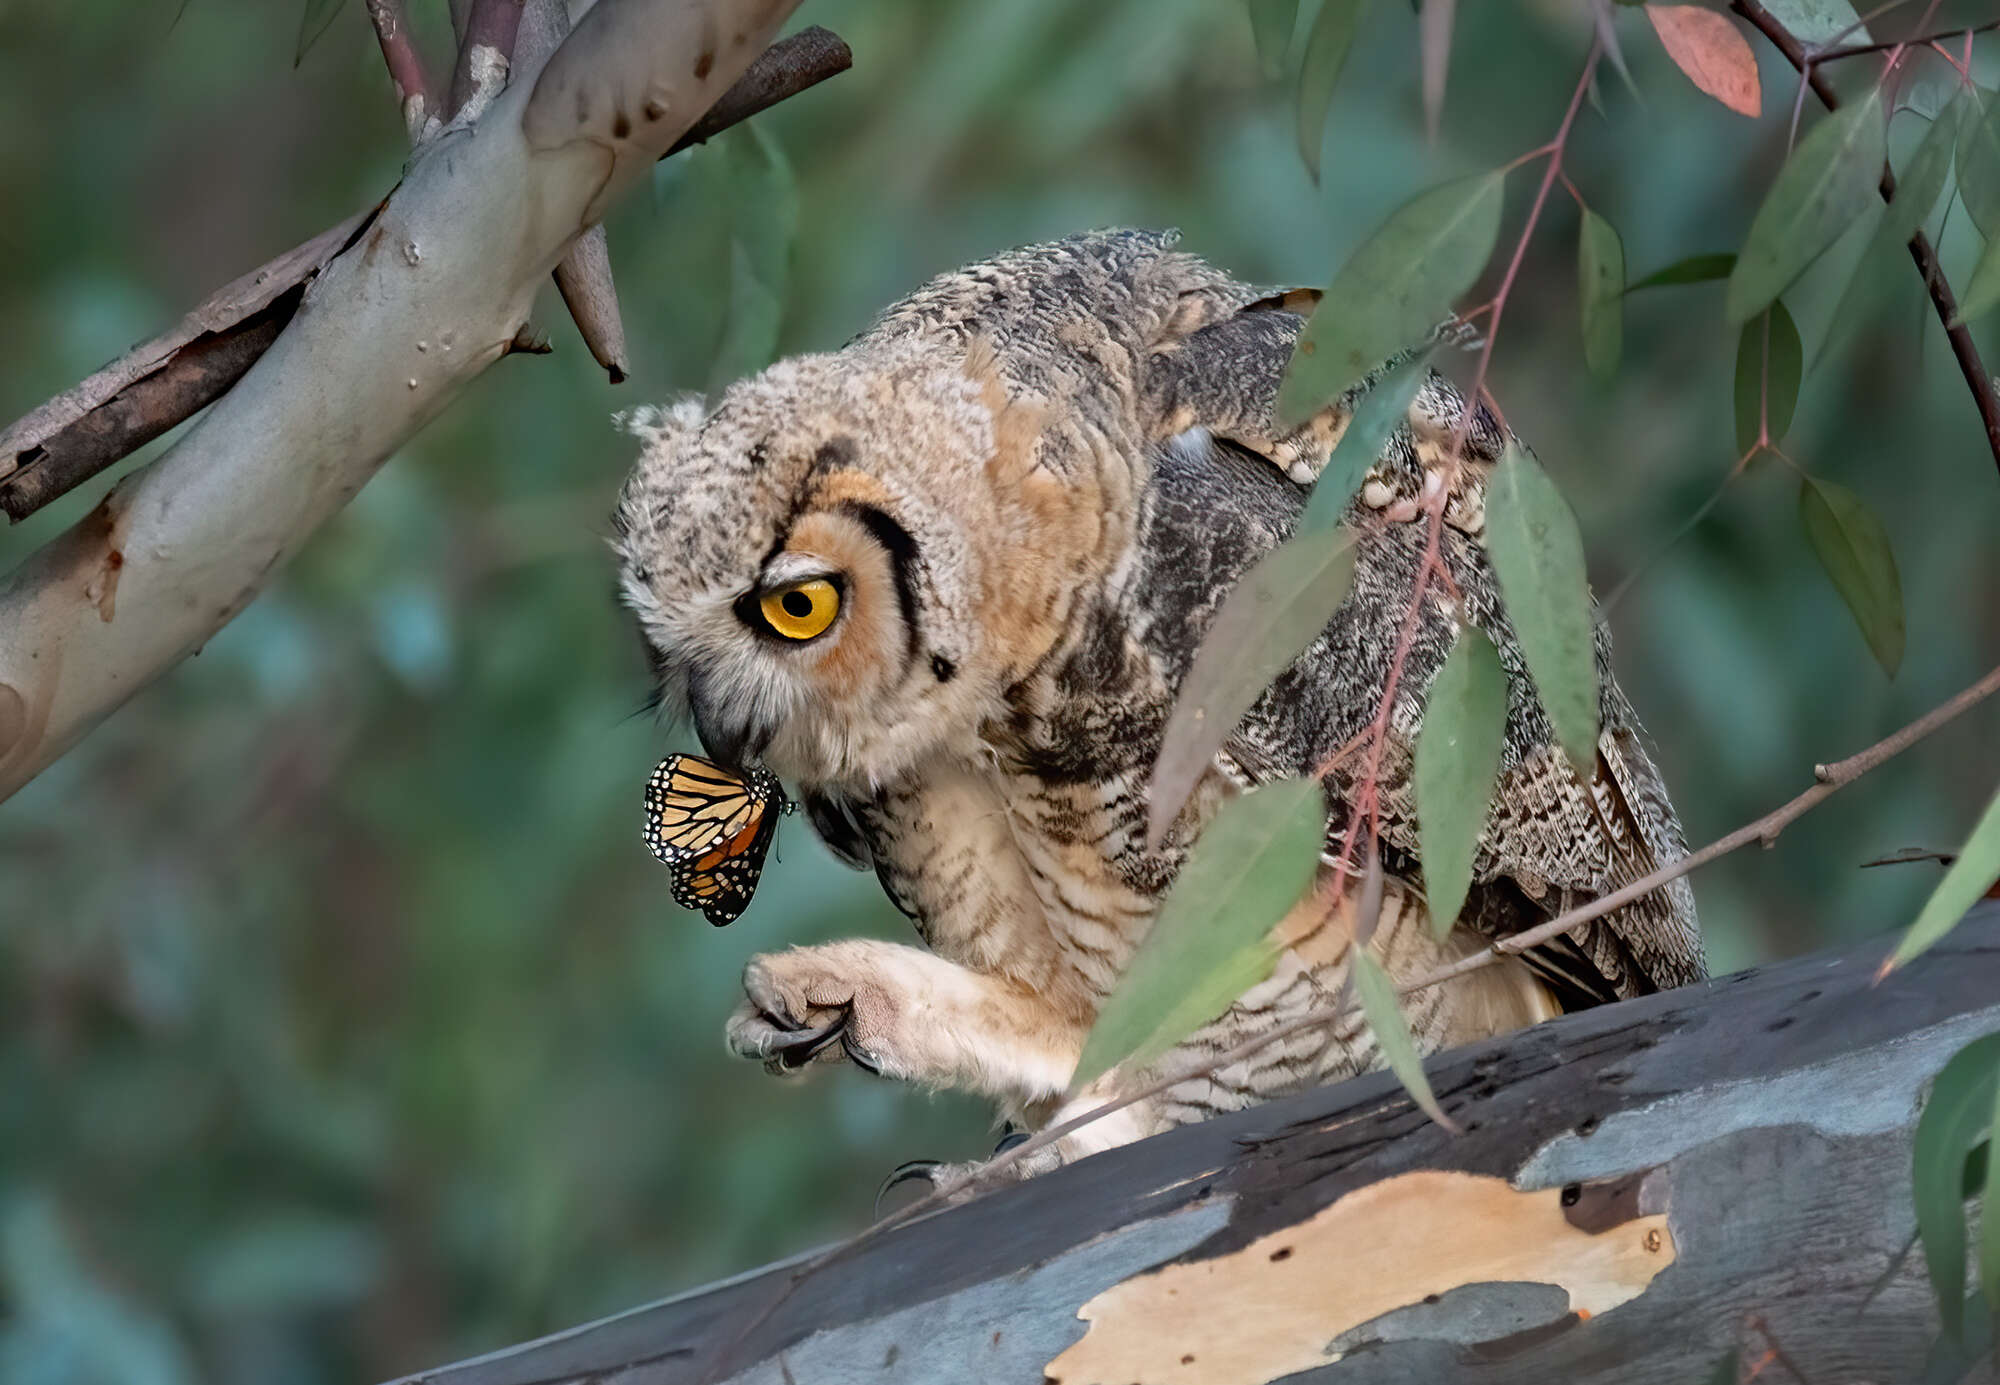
(1962, 345)
(784, 70)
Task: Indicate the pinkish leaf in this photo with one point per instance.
(1712, 52)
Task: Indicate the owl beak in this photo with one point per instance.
(727, 733)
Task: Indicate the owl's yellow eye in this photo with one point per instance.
(802, 610)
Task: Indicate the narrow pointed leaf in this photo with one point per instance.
(1377, 414)
(1607, 38)
(1393, 291)
(313, 21)
(1989, 1216)
(1712, 52)
(1271, 24)
(1917, 190)
(1787, 367)
(1695, 269)
(1956, 1116)
(1819, 21)
(1982, 294)
(1829, 180)
(1458, 761)
(1853, 548)
(1279, 607)
(1923, 177)
(1384, 1014)
(1600, 274)
(1434, 27)
(1965, 881)
(1255, 860)
(1537, 554)
(758, 187)
(1978, 159)
(1327, 46)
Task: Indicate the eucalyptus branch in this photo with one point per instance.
(485, 53)
(1855, 50)
(63, 442)
(1962, 345)
(416, 97)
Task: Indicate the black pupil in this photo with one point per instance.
(796, 604)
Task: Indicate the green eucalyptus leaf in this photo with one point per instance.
(1982, 294)
(1829, 180)
(1600, 274)
(1384, 1014)
(1965, 881)
(1853, 548)
(1327, 47)
(1280, 606)
(1393, 291)
(1458, 762)
(314, 20)
(1537, 554)
(1924, 176)
(1957, 1114)
(1978, 160)
(1377, 414)
(1271, 25)
(1211, 942)
(1787, 367)
(1695, 269)
(1819, 21)
(1922, 182)
(761, 195)
(1989, 1218)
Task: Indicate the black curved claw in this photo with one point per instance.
(907, 1172)
(1010, 1139)
(796, 1050)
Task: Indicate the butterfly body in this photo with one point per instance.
(712, 827)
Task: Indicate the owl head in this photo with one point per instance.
(833, 569)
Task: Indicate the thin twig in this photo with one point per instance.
(1920, 41)
(485, 53)
(416, 97)
(1962, 345)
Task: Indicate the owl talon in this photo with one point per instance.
(910, 1171)
(801, 1046)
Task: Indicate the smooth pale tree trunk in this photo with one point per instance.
(1640, 1189)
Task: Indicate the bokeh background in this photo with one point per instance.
(346, 1027)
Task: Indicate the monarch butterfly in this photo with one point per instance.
(712, 827)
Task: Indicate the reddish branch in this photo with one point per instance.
(486, 49)
(416, 98)
(1367, 805)
(1962, 347)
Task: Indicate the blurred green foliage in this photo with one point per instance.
(345, 1023)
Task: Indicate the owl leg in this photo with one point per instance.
(905, 1013)
(1224, 378)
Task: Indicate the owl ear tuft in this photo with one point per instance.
(662, 426)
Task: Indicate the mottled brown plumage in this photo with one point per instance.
(1032, 483)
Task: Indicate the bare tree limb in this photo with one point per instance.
(416, 97)
(1962, 346)
(485, 54)
(163, 382)
(584, 276)
(435, 290)
(27, 445)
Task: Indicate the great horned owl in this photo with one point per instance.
(947, 581)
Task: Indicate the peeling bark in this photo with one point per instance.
(1634, 1186)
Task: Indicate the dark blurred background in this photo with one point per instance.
(346, 1025)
